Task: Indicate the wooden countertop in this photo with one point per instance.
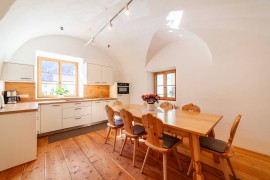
(19, 108)
(33, 106)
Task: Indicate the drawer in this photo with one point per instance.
(76, 104)
(76, 111)
(76, 121)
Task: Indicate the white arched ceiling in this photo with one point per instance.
(163, 37)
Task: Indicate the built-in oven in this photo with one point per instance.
(122, 88)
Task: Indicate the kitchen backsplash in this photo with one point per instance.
(90, 91)
(96, 91)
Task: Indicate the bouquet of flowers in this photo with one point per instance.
(150, 98)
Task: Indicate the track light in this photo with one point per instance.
(110, 26)
(92, 42)
(126, 10)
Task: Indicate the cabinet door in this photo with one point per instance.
(93, 74)
(97, 111)
(124, 98)
(76, 121)
(50, 117)
(107, 75)
(18, 72)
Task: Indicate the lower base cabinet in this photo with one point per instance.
(18, 139)
(51, 117)
(77, 121)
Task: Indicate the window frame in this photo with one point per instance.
(60, 62)
(165, 83)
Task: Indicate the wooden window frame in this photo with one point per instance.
(60, 62)
(165, 84)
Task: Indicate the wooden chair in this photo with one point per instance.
(166, 106)
(117, 103)
(113, 123)
(224, 150)
(131, 131)
(158, 141)
(191, 107)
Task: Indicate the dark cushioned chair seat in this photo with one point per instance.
(169, 141)
(213, 144)
(118, 121)
(138, 129)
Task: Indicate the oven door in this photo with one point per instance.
(122, 90)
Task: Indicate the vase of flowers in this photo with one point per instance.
(151, 99)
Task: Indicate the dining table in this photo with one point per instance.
(182, 123)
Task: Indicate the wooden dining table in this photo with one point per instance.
(182, 123)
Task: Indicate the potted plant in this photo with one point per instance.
(61, 91)
(151, 99)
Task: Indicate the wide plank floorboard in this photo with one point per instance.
(88, 157)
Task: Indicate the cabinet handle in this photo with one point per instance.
(77, 103)
(77, 108)
(25, 78)
(97, 82)
(97, 102)
(78, 118)
(104, 82)
(107, 101)
(56, 105)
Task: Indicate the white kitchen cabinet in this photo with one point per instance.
(98, 111)
(38, 121)
(98, 74)
(17, 72)
(76, 114)
(124, 98)
(50, 117)
(107, 75)
(18, 139)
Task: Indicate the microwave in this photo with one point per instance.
(122, 88)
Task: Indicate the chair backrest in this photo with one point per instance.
(154, 128)
(110, 114)
(233, 131)
(117, 103)
(166, 105)
(127, 120)
(191, 107)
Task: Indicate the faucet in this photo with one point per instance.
(100, 94)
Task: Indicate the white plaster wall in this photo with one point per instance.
(64, 45)
(227, 78)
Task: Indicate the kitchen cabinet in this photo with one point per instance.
(76, 114)
(18, 139)
(17, 72)
(50, 117)
(98, 111)
(98, 74)
(124, 98)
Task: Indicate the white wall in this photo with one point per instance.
(227, 74)
(64, 45)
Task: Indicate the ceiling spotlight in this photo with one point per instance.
(92, 42)
(110, 26)
(126, 10)
(61, 28)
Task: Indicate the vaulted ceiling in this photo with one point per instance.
(28, 19)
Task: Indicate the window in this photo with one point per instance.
(53, 73)
(164, 84)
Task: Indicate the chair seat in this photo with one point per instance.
(169, 141)
(213, 144)
(118, 121)
(138, 129)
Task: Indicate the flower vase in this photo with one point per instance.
(151, 107)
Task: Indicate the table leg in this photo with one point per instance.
(195, 155)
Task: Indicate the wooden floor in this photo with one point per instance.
(87, 157)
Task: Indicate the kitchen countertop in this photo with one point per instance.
(33, 106)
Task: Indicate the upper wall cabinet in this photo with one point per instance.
(17, 72)
(98, 74)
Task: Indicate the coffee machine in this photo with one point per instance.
(11, 97)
